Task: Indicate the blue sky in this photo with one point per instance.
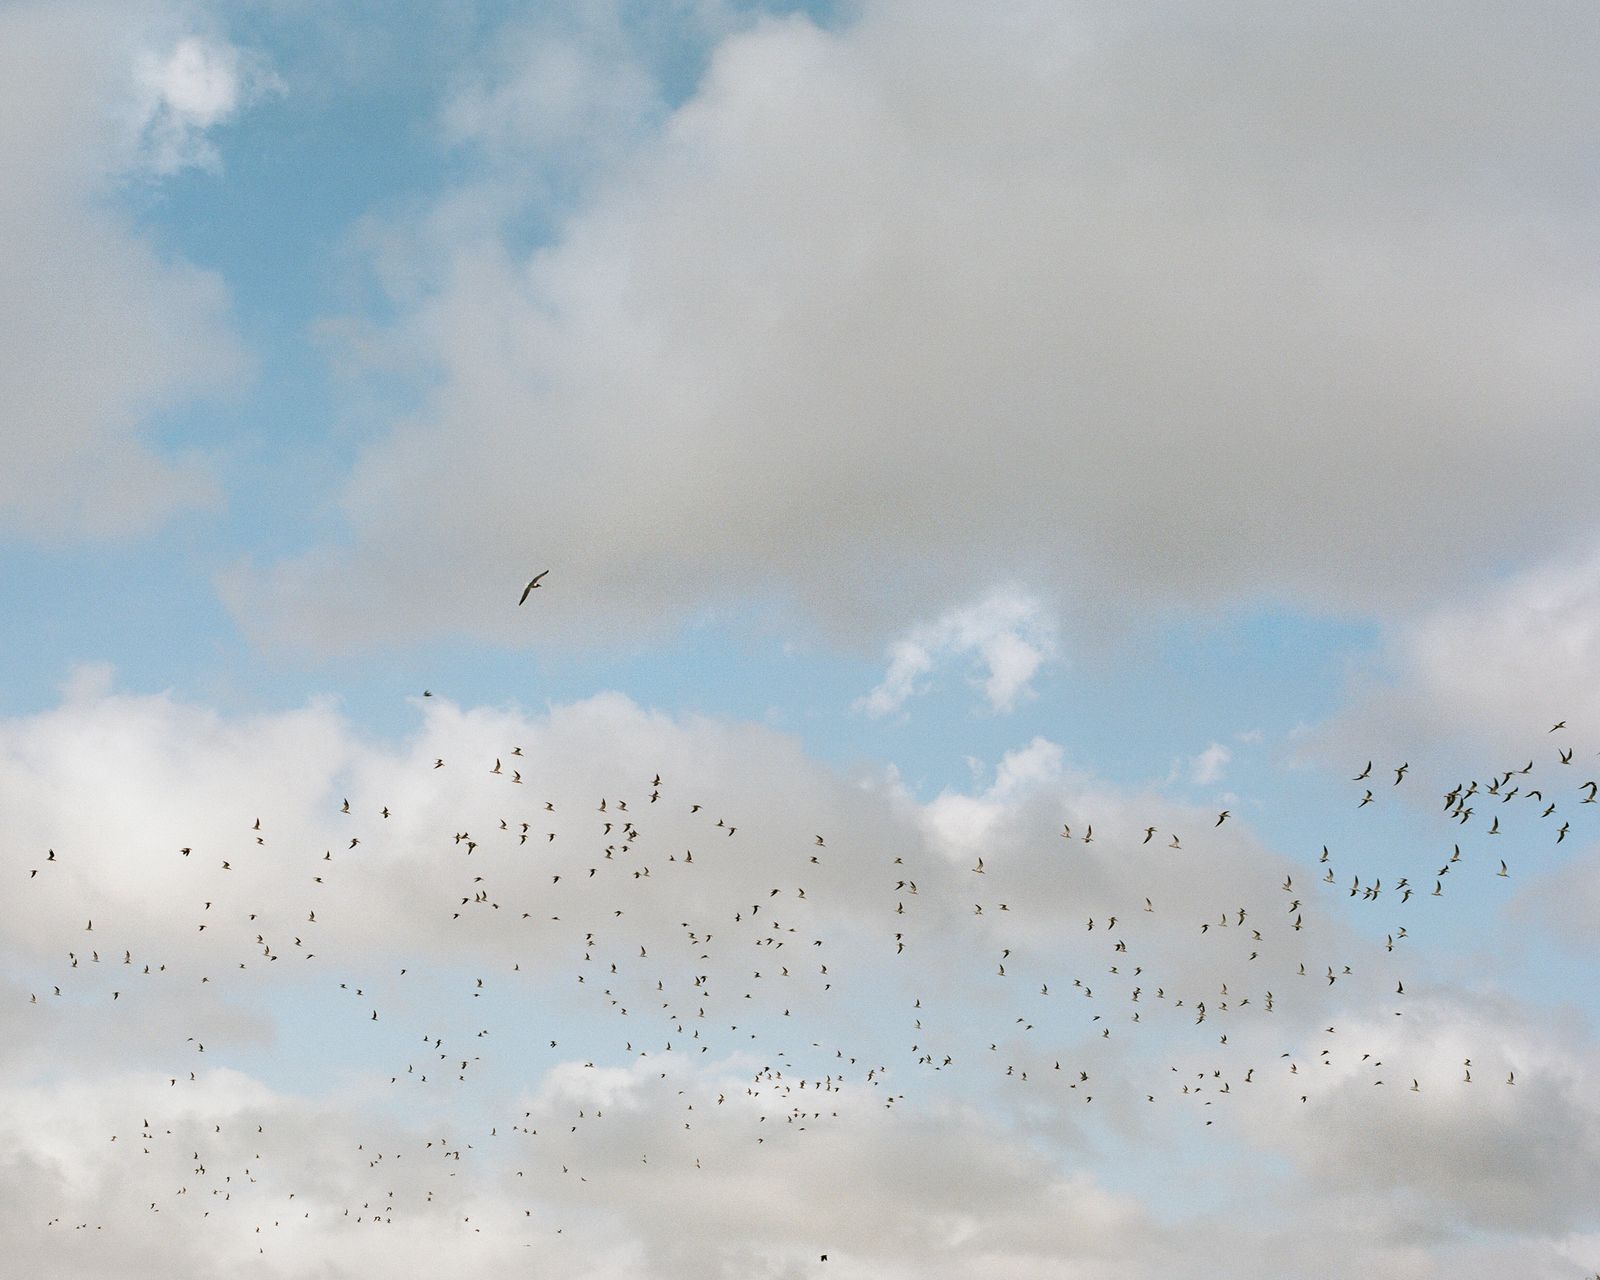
(942, 426)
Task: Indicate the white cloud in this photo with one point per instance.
(1008, 634)
(100, 331)
(1210, 765)
(895, 310)
(1492, 669)
(181, 93)
(669, 1162)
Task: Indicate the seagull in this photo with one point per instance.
(533, 584)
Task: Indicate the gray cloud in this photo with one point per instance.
(100, 331)
(1269, 302)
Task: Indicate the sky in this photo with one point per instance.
(1054, 739)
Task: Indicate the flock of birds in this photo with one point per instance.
(645, 932)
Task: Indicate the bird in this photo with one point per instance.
(533, 585)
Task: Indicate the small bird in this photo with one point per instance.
(1222, 817)
(533, 585)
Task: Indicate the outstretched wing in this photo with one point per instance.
(532, 583)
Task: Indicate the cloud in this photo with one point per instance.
(1210, 765)
(195, 86)
(1005, 1092)
(1490, 670)
(1008, 634)
(101, 332)
(1516, 658)
(894, 310)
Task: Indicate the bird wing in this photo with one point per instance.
(532, 583)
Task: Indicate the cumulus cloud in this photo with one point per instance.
(897, 308)
(1491, 669)
(1009, 636)
(1210, 765)
(186, 91)
(926, 1065)
(101, 331)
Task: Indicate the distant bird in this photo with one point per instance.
(533, 585)
(1222, 817)
(1364, 774)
